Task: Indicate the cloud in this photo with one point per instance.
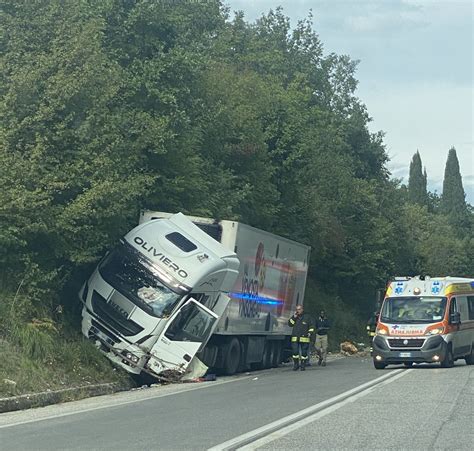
(370, 17)
(428, 117)
(399, 170)
(468, 182)
(415, 72)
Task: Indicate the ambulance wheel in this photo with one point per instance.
(448, 361)
(379, 365)
(470, 357)
(232, 358)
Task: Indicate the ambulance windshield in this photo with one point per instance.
(132, 274)
(413, 310)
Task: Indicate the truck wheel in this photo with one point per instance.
(276, 354)
(379, 365)
(470, 357)
(268, 354)
(144, 378)
(448, 361)
(209, 355)
(232, 358)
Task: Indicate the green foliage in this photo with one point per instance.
(71, 363)
(109, 107)
(453, 199)
(37, 342)
(437, 247)
(347, 323)
(417, 181)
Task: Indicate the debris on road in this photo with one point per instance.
(348, 348)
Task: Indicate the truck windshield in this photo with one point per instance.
(135, 276)
(413, 310)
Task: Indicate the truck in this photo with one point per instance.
(425, 320)
(178, 290)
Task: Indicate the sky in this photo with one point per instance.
(415, 72)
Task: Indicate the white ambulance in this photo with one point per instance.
(426, 320)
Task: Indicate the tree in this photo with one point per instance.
(97, 113)
(453, 199)
(108, 107)
(417, 193)
(439, 250)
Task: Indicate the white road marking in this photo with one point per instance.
(276, 429)
(115, 404)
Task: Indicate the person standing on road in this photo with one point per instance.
(303, 327)
(321, 344)
(372, 327)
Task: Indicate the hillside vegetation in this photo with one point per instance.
(113, 106)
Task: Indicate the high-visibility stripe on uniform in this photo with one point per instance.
(292, 321)
(300, 339)
(311, 330)
(304, 357)
(297, 356)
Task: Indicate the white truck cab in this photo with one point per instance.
(138, 303)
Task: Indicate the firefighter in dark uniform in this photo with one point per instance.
(303, 327)
(372, 327)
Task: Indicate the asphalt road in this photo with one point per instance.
(423, 406)
(425, 409)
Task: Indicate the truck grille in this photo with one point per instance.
(406, 342)
(97, 327)
(112, 318)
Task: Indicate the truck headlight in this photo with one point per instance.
(131, 358)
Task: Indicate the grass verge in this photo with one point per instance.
(73, 362)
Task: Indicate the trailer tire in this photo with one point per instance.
(232, 357)
(268, 354)
(276, 353)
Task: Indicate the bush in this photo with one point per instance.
(347, 322)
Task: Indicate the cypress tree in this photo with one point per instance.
(417, 182)
(453, 200)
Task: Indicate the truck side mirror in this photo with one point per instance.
(455, 318)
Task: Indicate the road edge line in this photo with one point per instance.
(269, 428)
(109, 405)
(280, 433)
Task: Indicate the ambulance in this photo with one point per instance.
(425, 320)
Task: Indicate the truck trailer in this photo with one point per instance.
(177, 289)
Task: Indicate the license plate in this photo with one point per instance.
(405, 354)
(102, 337)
